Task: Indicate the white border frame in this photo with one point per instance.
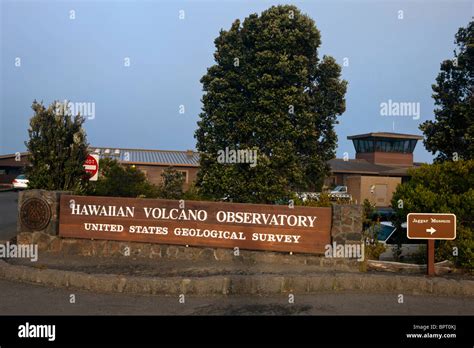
(427, 238)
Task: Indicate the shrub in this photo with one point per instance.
(121, 181)
(171, 186)
(446, 187)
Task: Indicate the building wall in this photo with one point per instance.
(7, 174)
(335, 180)
(153, 173)
(353, 184)
(10, 168)
(377, 189)
(387, 158)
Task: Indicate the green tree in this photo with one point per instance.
(269, 92)
(371, 227)
(452, 131)
(58, 148)
(172, 184)
(446, 187)
(192, 193)
(368, 211)
(121, 181)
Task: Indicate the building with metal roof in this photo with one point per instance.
(174, 158)
(150, 162)
(382, 162)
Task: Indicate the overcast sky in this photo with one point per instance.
(79, 50)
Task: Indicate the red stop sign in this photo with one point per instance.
(91, 165)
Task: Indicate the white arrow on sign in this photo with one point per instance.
(431, 230)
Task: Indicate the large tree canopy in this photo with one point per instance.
(269, 92)
(451, 134)
(57, 147)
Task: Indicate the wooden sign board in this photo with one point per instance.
(431, 226)
(208, 224)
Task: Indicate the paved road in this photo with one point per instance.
(28, 299)
(8, 214)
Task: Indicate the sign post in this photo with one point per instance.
(430, 256)
(91, 165)
(431, 227)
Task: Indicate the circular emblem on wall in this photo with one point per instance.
(35, 214)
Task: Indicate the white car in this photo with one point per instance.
(387, 233)
(20, 182)
(339, 189)
(340, 192)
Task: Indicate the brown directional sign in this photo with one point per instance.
(431, 226)
(209, 224)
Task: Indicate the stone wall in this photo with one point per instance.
(64, 247)
(38, 211)
(346, 223)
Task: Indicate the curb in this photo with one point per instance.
(239, 284)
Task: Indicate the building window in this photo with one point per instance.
(183, 172)
(185, 175)
(395, 145)
(362, 145)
